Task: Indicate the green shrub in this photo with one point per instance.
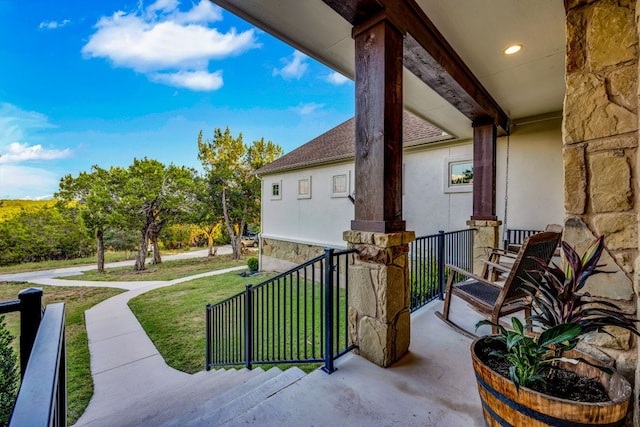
(253, 264)
(9, 375)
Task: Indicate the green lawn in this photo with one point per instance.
(167, 270)
(109, 256)
(78, 299)
(174, 319)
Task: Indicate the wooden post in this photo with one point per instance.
(378, 161)
(484, 171)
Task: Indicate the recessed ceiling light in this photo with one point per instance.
(512, 49)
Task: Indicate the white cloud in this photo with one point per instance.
(19, 126)
(52, 25)
(308, 108)
(172, 45)
(294, 68)
(17, 152)
(194, 80)
(22, 182)
(17, 123)
(337, 78)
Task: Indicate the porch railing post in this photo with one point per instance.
(328, 311)
(248, 326)
(207, 331)
(441, 264)
(30, 316)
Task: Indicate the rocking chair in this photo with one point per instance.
(494, 300)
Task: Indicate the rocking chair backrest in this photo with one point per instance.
(541, 245)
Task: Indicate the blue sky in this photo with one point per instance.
(86, 82)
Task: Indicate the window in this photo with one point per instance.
(340, 185)
(304, 188)
(459, 176)
(276, 190)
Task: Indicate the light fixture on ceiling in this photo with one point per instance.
(510, 50)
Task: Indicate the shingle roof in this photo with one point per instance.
(339, 144)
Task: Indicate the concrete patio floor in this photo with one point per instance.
(433, 385)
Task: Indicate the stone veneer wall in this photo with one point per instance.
(281, 255)
(600, 135)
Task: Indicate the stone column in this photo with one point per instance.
(486, 235)
(600, 136)
(380, 294)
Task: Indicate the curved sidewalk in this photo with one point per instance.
(124, 362)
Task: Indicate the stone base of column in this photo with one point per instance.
(486, 235)
(380, 295)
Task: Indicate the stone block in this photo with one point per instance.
(391, 291)
(575, 179)
(402, 337)
(374, 341)
(386, 240)
(589, 113)
(615, 338)
(576, 41)
(362, 293)
(615, 284)
(358, 237)
(620, 230)
(623, 87)
(617, 142)
(612, 37)
(353, 326)
(610, 184)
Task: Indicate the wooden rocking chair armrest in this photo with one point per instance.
(496, 266)
(503, 253)
(472, 276)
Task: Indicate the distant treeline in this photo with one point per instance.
(52, 230)
(41, 230)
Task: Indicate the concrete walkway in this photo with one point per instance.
(124, 362)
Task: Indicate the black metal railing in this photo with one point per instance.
(299, 316)
(42, 399)
(427, 258)
(516, 237)
(29, 304)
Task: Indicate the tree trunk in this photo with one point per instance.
(156, 251)
(141, 256)
(100, 236)
(235, 240)
(210, 243)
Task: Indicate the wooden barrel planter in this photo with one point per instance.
(504, 406)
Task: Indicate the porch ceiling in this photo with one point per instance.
(528, 83)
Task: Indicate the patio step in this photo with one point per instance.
(161, 405)
(226, 408)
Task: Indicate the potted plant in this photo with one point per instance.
(526, 375)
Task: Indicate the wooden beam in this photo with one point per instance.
(484, 170)
(428, 55)
(378, 168)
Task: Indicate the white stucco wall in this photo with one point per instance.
(535, 194)
(427, 208)
(318, 220)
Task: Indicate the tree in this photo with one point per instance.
(207, 212)
(230, 168)
(96, 192)
(153, 196)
